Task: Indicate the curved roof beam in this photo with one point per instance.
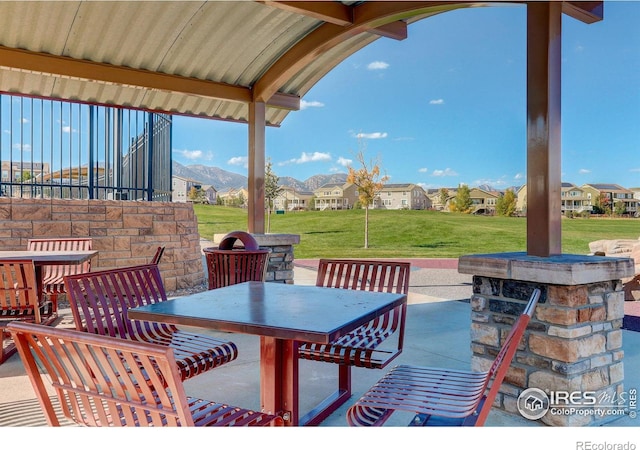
(367, 17)
(384, 18)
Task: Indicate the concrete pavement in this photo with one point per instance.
(437, 334)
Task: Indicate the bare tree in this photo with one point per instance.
(271, 191)
(368, 183)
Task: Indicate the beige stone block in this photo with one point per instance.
(485, 334)
(549, 381)
(556, 315)
(80, 228)
(113, 213)
(569, 333)
(31, 212)
(137, 220)
(595, 379)
(616, 373)
(592, 314)
(569, 296)
(601, 360)
(51, 229)
(567, 350)
(615, 305)
(614, 340)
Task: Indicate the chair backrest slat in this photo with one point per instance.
(101, 381)
(62, 244)
(503, 359)
(372, 275)
(18, 289)
(100, 300)
(228, 267)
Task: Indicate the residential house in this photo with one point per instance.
(484, 202)
(292, 199)
(181, 187)
(336, 196)
(611, 195)
(574, 200)
(210, 194)
(521, 200)
(402, 196)
(235, 197)
(436, 200)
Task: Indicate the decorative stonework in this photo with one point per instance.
(124, 232)
(280, 267)
(574, 341)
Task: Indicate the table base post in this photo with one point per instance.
(279, 378)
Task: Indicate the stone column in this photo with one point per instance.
(574, 341)
(281, 258)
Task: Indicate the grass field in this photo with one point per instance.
(421, 234)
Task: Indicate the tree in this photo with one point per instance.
(443, 195)
(271, 191)
(463, 202)
(506, 204)
(368, 183)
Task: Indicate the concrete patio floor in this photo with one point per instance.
(437, 334)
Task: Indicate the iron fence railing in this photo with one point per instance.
(62, 149)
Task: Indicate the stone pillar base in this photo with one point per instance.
(573, 345)
(280, 267)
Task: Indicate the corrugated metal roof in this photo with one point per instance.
(201, 58)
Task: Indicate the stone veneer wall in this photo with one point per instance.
(280, 266)
(574, 341)
(124, 232)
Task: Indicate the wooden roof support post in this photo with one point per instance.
(257, 124)
(544, 45)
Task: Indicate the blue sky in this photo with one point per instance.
(448, 106)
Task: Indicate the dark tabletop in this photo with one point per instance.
(285, 311)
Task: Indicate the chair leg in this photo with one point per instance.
(5, 353)
(344, 379)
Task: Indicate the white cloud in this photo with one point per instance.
(308, 157)
(634, 170)
(436, 101)
(444, 173)
(423, 170)
(68, 129)
(190, 154)
(376, 135)
(584, 171)
(518, 176)
(377, 65)
(24, 120)
(239, 161)
(345, 162)
(313, 104)
(22, 147)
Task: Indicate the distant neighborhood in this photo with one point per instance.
(575, 200)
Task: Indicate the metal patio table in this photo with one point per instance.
(283, 315)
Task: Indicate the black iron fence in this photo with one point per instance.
(61, 149)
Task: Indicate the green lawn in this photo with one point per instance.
(423, 234)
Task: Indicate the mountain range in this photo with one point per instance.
(223, 180)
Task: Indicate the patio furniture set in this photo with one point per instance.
(126, 362)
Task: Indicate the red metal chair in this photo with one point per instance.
(100, 301)
(105, 381)
(367, 345)
(19, 301)
(227, 266)
(360, 347)
(157, 256)
(437, 395)
(53, 276)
